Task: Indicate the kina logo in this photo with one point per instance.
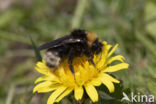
(125, 97)
(138, 98)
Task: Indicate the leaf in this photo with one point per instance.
(37, 52)
(151, 87)
(112, 98)
(104, 95)
(150, 17)
(148, 44)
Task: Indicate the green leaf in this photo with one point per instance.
(104, 95)
(148, 44)
(37, 52)
(112, 98)
(150, 17)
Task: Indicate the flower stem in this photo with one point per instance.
(79, 11)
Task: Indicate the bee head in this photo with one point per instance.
(93, 42)
(96, 46)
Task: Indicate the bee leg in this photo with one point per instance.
(90, 59)
(92, 62)
(70, 60)
(71, 66)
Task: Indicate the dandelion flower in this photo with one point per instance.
(87, 77)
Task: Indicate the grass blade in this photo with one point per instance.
(37, 52)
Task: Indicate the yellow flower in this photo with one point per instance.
(62, 82)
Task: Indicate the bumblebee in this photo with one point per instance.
(76, 44)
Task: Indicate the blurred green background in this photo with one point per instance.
(131, 23)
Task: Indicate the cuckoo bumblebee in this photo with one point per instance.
(76, 44)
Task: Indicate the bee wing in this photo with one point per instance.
(59, 42)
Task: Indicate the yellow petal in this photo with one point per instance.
(52, 98)
(112, 51)
(104, 42)
(100, 61)
(78, 93)
(92, 93)
(42, 69)
(48, 78)
(61, 72)
(107, 76)
(115, 68)
(96, 82)
(107, 82)
(65, 93)
(45, 87)
(108, 47)
(109, 85)
(43, 78)
(118, 57)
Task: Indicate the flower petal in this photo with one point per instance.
(107, 82)
(118, 57)
(107, 76)
(52, 98)
(112, 51)
(43, 78)
(45, 87)
(92, 93)
(109, 85)
(108, 47)
(96, 82)
(116, 67)
(104, 42)
(65, 93)
(43, 69)
(100, 61)
(47, 78)
(78, 93)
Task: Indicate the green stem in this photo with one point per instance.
(80, 9)
(10, 94)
